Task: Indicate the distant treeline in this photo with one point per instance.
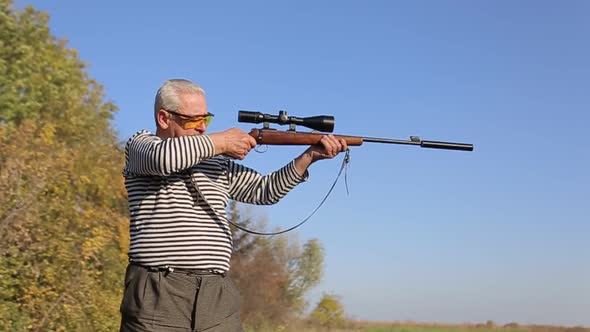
(489, 326)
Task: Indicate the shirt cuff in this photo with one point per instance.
(294, 174)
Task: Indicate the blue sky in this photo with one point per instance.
(500, 233)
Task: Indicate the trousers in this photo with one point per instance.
(171, 300)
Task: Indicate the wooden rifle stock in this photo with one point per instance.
(278, 137)
(289, 137)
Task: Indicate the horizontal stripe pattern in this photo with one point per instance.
(178, 192)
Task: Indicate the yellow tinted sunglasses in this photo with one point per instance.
(192, 122)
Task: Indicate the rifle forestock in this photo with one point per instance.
(278, 137)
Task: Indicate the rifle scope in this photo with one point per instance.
(323, 123)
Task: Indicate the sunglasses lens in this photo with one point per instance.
(193, 124)
(197, 123)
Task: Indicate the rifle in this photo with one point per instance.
(323, 123)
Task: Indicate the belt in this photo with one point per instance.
(170, 269)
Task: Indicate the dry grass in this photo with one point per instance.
(489, 326)
(410, 326)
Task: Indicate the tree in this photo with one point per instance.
(329, 312)
(43, 80)
(305, 271)
(272, 273)
(62, 200)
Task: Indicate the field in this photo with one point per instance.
(466, 328)
(487, 327)
(364, 326)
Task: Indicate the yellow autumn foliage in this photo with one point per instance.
(62, 218)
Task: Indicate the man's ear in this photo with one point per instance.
(162, 119)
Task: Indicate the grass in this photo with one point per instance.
(395, 327)
(408, 326)
(435, 329)
(418, 327)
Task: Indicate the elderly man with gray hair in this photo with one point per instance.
(179, 181)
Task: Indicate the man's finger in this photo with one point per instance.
(328, 144)
(252, 141)
(344, 145)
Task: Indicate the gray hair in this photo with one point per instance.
(167, 95)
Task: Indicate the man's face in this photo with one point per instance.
(181, 121)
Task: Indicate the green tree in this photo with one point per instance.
(44, 80)
(305, 269)
(62, 200)
(329, 312)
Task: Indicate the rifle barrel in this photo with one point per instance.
(276, 137)
(421, 143)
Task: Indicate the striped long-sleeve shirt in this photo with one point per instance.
(178, 191)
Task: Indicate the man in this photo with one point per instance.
(179, 182)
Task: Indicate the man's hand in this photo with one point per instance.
(327, 148)
(233, 142)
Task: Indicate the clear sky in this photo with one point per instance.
(501, 233)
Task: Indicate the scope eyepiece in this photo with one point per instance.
(323, 123)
